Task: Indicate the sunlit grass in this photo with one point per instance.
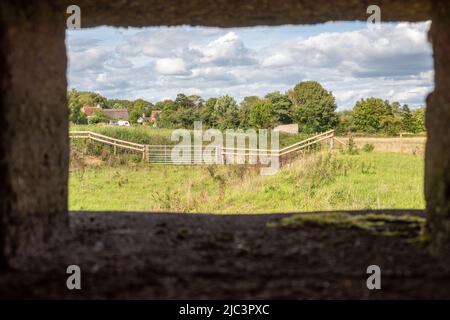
(327, 181)
(160, 136)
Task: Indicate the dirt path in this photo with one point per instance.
(158, 256)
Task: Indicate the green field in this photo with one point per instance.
(325, 181)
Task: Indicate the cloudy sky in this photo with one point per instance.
(393, 62)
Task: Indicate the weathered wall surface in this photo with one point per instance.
(33, 135)
(238, 13)
(437, 157)
(34, 124)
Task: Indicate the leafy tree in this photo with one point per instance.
(168, 114)
(391, 124)
(135, 113)
(92, 98)
(206, 111)
(374, 115)
(138, 108)
(167, 119)
(196, 100)
(141, 104)
(166, 105)
(75, 114)
(313, 107)
(185, 118)
(98, 99)
(395, 109)
(183, 101)
(346, 122)
(244, 110)
(118, 104)
(261, 114)
(226, 113)
(182, 112)
(369, 113)
(407, 119)
(281, 106)
(418, 118)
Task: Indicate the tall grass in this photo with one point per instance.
(136, 134)
(324, 181)
(156, 136)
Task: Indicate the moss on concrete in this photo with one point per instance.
(377, 224)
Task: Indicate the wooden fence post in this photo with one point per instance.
(401, 142)
(165, 153)
(221, 155)
(145, 154)
(331, 142)
(218, 155)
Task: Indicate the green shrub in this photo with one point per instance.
(352, 149)
(323, 170)
(368, 168)
(98, 117)
(368, 147)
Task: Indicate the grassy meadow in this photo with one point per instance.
(323, 181)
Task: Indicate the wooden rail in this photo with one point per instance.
(116, 143)
(163, 153)
(291, 152)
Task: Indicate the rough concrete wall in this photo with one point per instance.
(437, 160)
(238, 13)
(34, 124)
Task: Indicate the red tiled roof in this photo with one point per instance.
(88, 110)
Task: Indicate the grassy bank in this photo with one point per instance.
(136, 134)
(148, 135)
(327, 181)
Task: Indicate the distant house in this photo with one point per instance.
(154, 116)
(116, 114)
(88, 110)
(143, 119)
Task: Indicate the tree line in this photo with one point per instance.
(307, 103)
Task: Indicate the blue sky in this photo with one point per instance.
(393, 62)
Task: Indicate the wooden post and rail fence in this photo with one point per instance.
(163, 153)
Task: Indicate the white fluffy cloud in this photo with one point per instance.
(90, 58)
(228, 50)
(170, 66)
(394, 62)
